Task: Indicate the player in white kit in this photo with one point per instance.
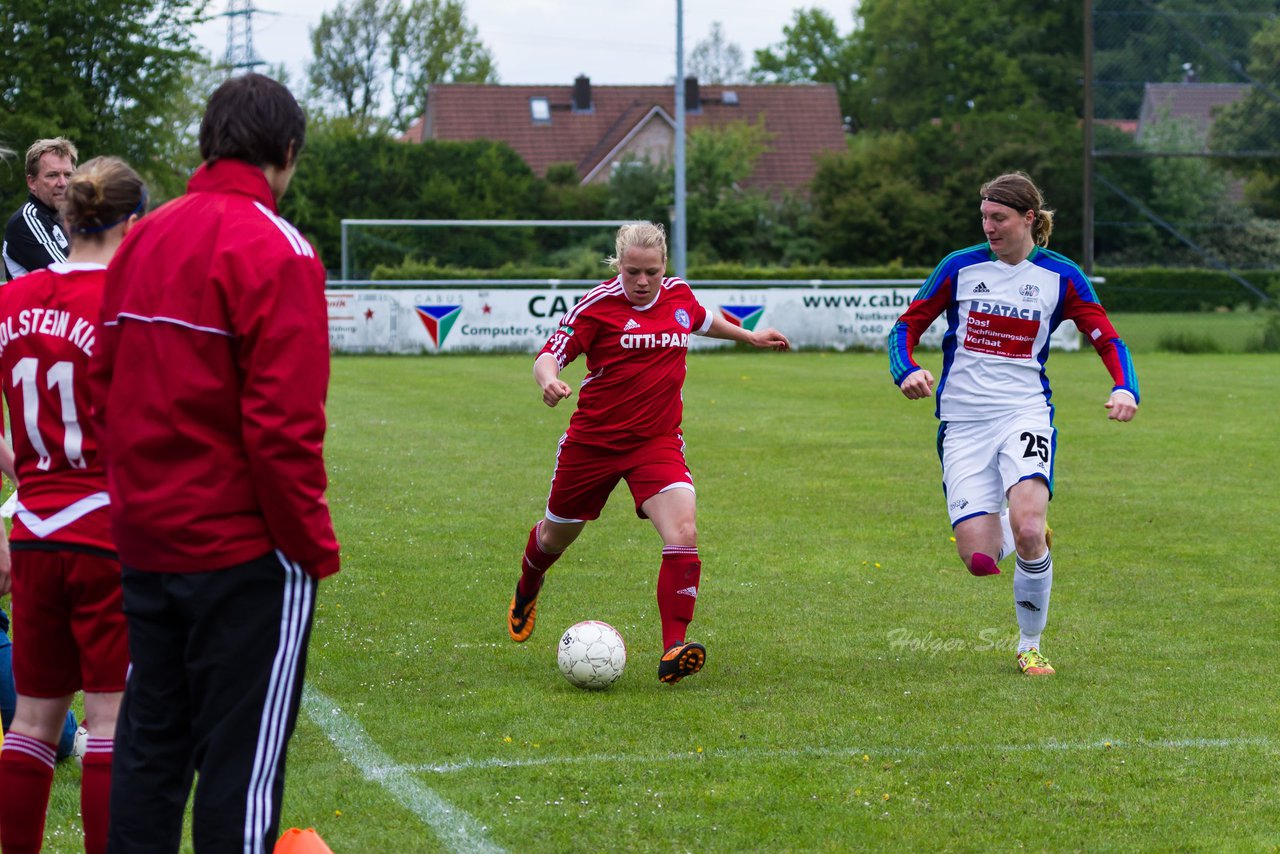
(1002, 300)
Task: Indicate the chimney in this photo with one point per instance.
(582, 94)
(692, 100)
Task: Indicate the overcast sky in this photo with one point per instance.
(553, 41)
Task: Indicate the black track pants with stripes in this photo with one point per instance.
(218, 660)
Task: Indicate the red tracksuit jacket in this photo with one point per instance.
(210, 377)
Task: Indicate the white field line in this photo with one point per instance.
(748, 754)
(454, 828)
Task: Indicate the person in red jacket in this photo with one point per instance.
(65, 575)
(211, 371)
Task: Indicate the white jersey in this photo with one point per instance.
(999, 320)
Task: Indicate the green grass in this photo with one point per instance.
(860, 691)
(1207, 332)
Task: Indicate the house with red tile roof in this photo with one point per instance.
(1194, 104)
(596, 128)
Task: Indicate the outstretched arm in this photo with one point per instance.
(770, 339)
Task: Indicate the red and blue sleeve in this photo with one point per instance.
(1081, 305)
(930, 301)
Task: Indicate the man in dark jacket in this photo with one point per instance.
(33, 238)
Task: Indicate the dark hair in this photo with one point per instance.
(102, 194)
(1016, 190)
(253, 118)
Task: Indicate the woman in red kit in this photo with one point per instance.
(634, 331)
(67, 610)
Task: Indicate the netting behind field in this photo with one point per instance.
(1186, 163)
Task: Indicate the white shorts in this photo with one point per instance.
(982, 460)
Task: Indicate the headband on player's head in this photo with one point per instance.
(1017, 207)
(137, 211)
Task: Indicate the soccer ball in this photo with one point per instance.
(80, 745)
(591, 654)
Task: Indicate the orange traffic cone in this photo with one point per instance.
(295, 841)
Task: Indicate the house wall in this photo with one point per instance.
(654, 142)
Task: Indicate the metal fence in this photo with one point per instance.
(1182, 134)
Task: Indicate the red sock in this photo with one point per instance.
(677, 591)
(982, 564)
(535, 564)
(26, 776)
(95, 794)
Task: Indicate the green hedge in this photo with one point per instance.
(1167, 290)
(1127, 289)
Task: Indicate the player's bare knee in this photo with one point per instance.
(685, 534)
(1029, 538)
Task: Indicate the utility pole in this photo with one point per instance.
(241, 56)
(1087, 196)
(680, 223)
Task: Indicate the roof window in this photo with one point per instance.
(540, 111)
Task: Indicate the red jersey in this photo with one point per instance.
(635, 361)
(48, 330)
(211, 376)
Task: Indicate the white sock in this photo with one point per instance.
(1006, 536)
(1032, 581)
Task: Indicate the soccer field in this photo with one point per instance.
(860, 689)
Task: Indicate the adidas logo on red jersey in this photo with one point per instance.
(631, 324)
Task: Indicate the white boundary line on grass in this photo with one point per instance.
(849, 752)
(455, 828)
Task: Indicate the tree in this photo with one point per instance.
(350, 49)
(107, 74)
(812, 51)
(1149, 41)
(374, 60)
(1252, 125)
(344, 172)
(725, 220)
(642, 190)
(717, 61)
(871, 205)
(433, 43)
(912, 196)
(921, 60)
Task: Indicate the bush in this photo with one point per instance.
(1187, 342)
(1269, 341)
(1168, 290)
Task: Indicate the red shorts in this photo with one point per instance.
(69, 629)
(585, 476)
